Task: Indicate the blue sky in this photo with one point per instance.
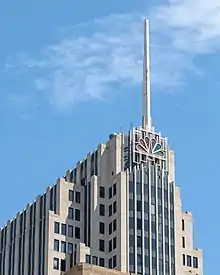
(70, 74)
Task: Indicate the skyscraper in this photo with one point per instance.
(118, 208)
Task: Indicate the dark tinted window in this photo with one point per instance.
(56, 245)
(94, 260)
(101, 245)
(56, 228)
(114, 243)
(110, 192)
(77, 214)
(78, 197)
(102, 262)
(70, 230)
(102, 210)
(114, 225)
(110, 228)
(88, 259)
(189, 260)
(102, 192)
(195, 262)
(70, 248)
(101, 228)
(114, 207)
(77, 232)
(63, 229)
(63, 265)
(110, 210)
(110, 246)
(183, 225)
(70, 213)
(114, 261)
(114, 189)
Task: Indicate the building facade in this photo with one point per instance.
(119, 208)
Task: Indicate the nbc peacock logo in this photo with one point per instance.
(148, 145)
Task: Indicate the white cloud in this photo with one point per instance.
(109, 51)
(192, 26)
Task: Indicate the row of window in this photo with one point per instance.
(111, 245)
(112, 263)
(62, 246)
(190, 261)
(59, 264)
(111, 209)
(95, 260)
(74, 196)
(111, 228)
(73, 214)
(111, 191)
(66, 230)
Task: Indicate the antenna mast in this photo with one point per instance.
(146, 119)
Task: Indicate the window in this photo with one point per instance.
(56, 228)
(139, 205)
(70, 248)
(102, 262)
(110, 192)
(70, 213)
(71, 195)
(110, 263)
(110, 228)
(56, 263)
(56, 245)
(70, 231)
(63, 229)
(189, 260)
(114, 189)
(114, 207)
(77, 214)
(153, 209)
(78, 197)
(154, 263)
(94, 260)
(110, 210)
(101, 228)
(184, 259)
(195, 262)
(183, 242)
(63, 265)
(110, 246)
(102, 210)
(114, 261)
(139, 225)
(88, 259)
(101, 245)
(114, 225)
(77, 232)
(183, 225)
(114, 243)
(63, 247)
(102, 192)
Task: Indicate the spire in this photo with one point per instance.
(146, 119)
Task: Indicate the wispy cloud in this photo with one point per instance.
(192, 26)
(107, 56)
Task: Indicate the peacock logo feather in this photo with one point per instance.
(149, 146)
